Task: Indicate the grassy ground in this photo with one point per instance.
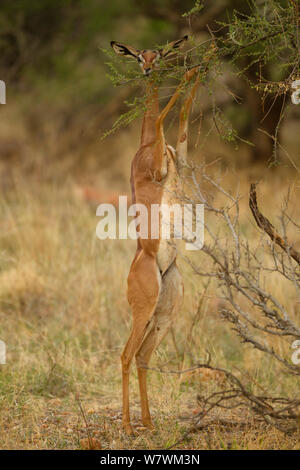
(64, 318)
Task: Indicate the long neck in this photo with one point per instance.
(151, 114)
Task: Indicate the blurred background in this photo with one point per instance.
(60, 100)
(63, 310)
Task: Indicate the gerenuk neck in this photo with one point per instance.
(151, 114)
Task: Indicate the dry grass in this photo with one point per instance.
(64, 318)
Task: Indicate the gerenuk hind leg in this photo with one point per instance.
(144, 283)
(169, 303)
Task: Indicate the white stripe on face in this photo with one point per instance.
(148, 60)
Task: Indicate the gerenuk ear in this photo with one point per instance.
(124, 50)
(173, 47)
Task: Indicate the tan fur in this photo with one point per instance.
(155, 287)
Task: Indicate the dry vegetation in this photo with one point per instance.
(64, 318)
(63, 310)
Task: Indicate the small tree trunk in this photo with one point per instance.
(265, 116)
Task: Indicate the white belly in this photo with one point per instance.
(170, 220)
